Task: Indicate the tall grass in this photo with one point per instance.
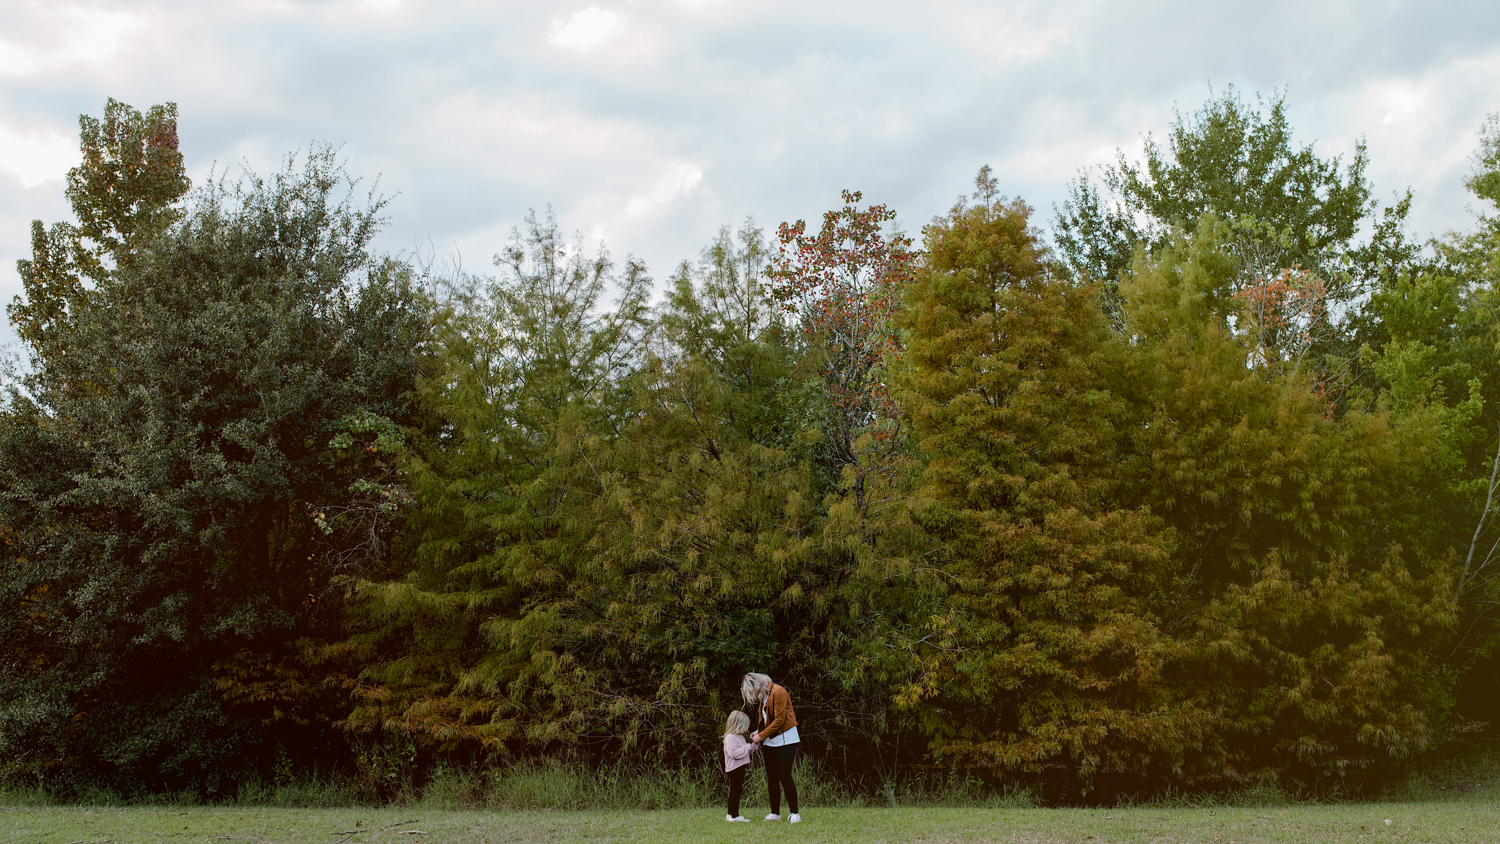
(312, 792)
(561, 785)
(26, 796)
(1461, 768)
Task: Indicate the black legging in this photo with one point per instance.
(736, 785)
(779, 775)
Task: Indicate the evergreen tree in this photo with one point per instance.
(598, 575)
(529, 383)
(1044, 650)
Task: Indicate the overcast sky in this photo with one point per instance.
(650, 123)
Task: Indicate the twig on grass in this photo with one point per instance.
(401, 823)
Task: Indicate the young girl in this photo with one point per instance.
(737, 760)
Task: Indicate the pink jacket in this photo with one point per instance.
(737, 752)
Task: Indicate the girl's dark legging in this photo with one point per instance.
(736, 787)
(779, 775)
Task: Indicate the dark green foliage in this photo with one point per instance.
(597, 575)
(600, 573)
(529, 391)
(1300, 629)
(165, 464)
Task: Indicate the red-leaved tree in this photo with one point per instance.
(844, 284)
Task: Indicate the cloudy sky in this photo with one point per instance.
(650, 123)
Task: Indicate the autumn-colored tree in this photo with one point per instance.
(845, 286)
(124, 193)
(1171, 507)
(1044, 650)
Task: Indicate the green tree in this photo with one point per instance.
(1284, 206)
(1433, 348)
(180, 477)
(1159, 553)
(527, 386)
(595, 577)
(1300, 623)
(1477, 258)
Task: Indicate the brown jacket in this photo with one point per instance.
(779, 714)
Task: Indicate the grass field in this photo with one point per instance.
(1470, 818)
(1456, 799)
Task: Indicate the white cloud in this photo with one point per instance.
(615, 113)
(586, 29)
(1403, 104)
(36, 157)
(1420, 130)
(58, 36)
(1006, 33)
(679, 180)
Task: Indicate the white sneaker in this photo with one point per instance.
(736, 819)
(773, 817)
(795, 818)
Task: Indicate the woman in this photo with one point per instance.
(778, 739)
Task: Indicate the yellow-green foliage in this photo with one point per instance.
(1045, 648)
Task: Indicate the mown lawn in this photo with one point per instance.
(1471, 818)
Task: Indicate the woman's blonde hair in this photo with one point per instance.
(738, 724)
(754, 687)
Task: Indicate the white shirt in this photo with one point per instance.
(788, 737)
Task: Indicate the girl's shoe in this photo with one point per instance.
(773, 817)
(734, 819)
(795, 818)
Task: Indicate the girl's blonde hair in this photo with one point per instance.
(738, 724)
(754, 687)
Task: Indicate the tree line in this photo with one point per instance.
(1197, 489)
